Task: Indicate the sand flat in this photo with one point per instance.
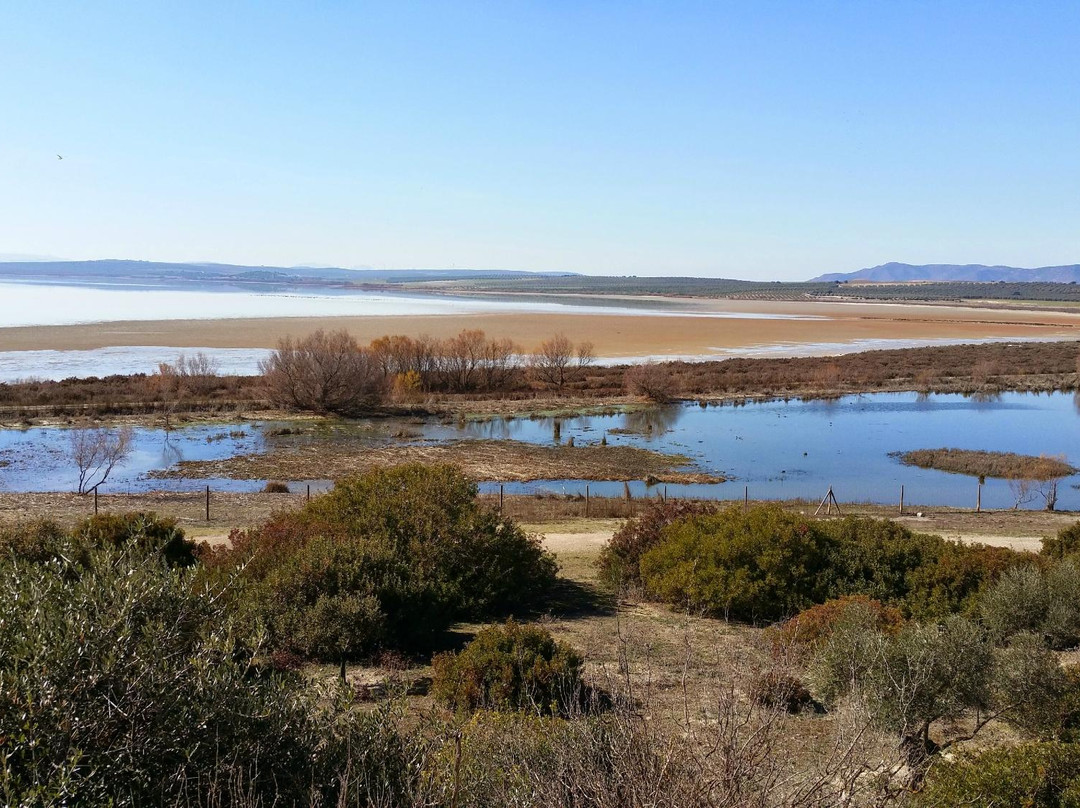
(613, 335)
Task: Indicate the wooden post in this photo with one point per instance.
(309, 492)
(828, 502)
(95, 502)
(665, 492)
(629, 504)
(207, 503)
(746, 497)
(901, 500)
(978, 499)
(500, 499)
(586, 500)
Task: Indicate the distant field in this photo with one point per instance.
(756, 290)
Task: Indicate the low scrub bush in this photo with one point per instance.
(804, 632)
(124, 683)
(510, 667)
(44, 540)
(783, 691)
(1040, 600)
(144, 530)
(1065, 543)
(766, 564)
(621, 557)
(757, 565)
(1034, 775)
(385, 560)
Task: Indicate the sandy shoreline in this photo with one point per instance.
(613, 335)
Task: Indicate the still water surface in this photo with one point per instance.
(778, 449)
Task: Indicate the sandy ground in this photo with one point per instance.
(612, 335)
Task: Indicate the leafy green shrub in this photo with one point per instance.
(38, 541)
(41, 540)
(1065, 543)
(767, 564)
(123, 683)
(927, 577)
(1045, 601)
(386, 559)
(1017, 602)
(146, 530)
(1035, 775)
(621, 556)
(510, 667)
(757, 565)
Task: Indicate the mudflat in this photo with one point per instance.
(612, 335)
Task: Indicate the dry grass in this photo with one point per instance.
(481, 459)
(978, 463)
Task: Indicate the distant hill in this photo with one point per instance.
(155, 272)
(897, 273)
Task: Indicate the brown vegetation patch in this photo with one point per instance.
(511, 461)
(978, 463)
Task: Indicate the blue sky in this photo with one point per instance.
(768, 140)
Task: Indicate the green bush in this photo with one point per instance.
(386, 559)
(510, 667)
(927, 577)
(41, 540)
(146, 530)
(1043, 600)
(766, 563)
(1065, 543)
(124, 683)
(1034, 775)
(36, 542)
(621, 557)
(757, 565)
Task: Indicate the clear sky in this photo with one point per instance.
(767, 140)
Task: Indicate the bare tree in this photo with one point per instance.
(325, 373)
(557, 361)
(654, 381)
(96, 452)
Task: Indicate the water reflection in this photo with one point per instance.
(653, 421)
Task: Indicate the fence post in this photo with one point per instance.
(901, 500)
(95, 502)
(586, 500)
(207, 503)
(665, 493)
(746, 497)
(978, 499)
(500, 499)
(309, 492)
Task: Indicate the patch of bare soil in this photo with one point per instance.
(481, 459)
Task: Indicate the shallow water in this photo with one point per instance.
(778, 449)
(27, 304)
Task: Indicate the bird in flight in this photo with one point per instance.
(59, 157)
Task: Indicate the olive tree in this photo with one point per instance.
(929, 673)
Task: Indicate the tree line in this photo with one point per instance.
(331, 372)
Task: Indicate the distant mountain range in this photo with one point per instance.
(895, 273)
(155, 272)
